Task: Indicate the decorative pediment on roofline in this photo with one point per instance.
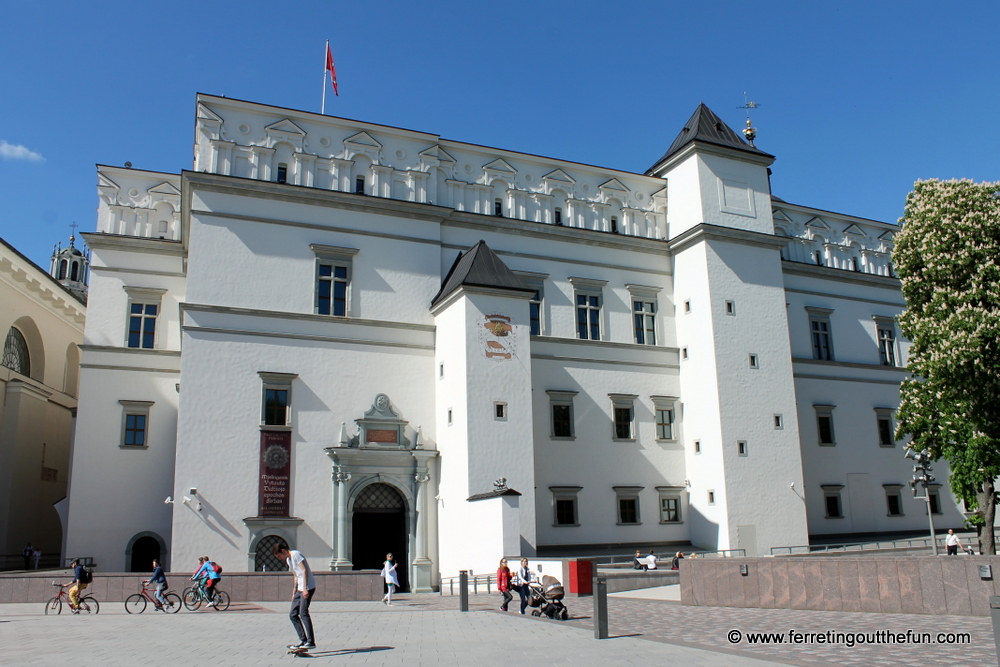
(363, 139)
(500, 165)
(436, 151)
(285, 125)
(165, 188)
(778, 214)
(887, 236)
(854, 230)
(105, 182)
(614, 185)
(204, 113)
(818, 223)
(559, 176)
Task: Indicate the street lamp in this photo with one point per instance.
(922, 476)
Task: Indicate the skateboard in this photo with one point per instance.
(299, 652)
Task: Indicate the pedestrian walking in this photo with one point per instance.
(503, 584)
(305, 586)
(524, 577)
(952, 543)
(391, 580)
(36, 557)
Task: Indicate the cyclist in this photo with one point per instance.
(160, 580)
(213, 572)
(78, 584)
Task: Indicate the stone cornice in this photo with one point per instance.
(130, 350)
(311, 317)
(840, 275)
(707, 232)
(43, 289)
(704, 148)
(101, 240)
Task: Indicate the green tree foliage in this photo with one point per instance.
(947, 255)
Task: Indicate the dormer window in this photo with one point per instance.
(282, 173)
(558, 216)
(498, 208)
(359, 185)
(614, 225)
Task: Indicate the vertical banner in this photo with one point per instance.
(274, 489)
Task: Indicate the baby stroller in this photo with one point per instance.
(546, 598)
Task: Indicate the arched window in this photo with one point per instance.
(74, 273)
(15, 353)
(264, 560)
(62, 270)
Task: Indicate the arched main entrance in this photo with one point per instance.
(378, 528)
(144, 550)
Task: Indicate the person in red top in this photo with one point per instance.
(503, 584)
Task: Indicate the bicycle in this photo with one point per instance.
(137, 602)
(88, 604)
(195, 595)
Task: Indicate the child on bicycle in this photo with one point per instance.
(160, 580)
(212, 573)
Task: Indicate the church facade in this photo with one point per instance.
(364, 339)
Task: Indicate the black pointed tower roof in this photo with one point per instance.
(479, 266)
(706, 127)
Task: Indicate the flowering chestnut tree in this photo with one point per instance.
(947, 255)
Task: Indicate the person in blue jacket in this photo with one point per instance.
(160, 580)
(212, 571)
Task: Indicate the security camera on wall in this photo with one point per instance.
(169, 500)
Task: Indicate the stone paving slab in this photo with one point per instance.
(405, 634)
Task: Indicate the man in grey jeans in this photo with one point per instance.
(305, 586)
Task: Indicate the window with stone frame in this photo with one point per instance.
(831, 501)
(135, 424)
(893, 499)
(334, 268)
(535, 281)
(821, 333)
(565, 506)
(670, 503)
(664, 407)
(143, 312)
(588, 299)
(627, 498)
(886, 428)
(561, 411)
(824, 424)
(623, 416)
(885, 328)
(276, 398)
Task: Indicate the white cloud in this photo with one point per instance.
(15, 152)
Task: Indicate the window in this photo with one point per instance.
(711, 497)
(15, 352)
(498, 208)
(934, 498)
(644, 315)
(687, 307)
(741, 448)
(282, 176)
(824, 424)
(731, 308)
(831, 500)
(135, 423)
(684, 353)
(893, 499)
(819, 328)
(883, 418)
(664, 407)
(614, 225)
(449, 417)
(628, 505)
(697, 446)
(886, 341)
(441, 371)
(754, 361)
(62, 269)
(535, 281)
(276, 409)
(670, 503)
(143, 309)
(359, 185)
(779, 422)
(588, 307)
(561, 408)
(854, 264)
(333, 279)
(558, 216)
(588, 316)
(623, 414)
(564, 505)
(500, 411)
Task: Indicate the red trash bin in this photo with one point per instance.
(581, 577)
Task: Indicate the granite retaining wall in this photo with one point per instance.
(241, 586)
(909, 585)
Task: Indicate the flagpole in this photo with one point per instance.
(323, 108)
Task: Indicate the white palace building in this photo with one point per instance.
(363, 339)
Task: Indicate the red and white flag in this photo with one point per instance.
(331, 68)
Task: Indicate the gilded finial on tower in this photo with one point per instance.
(750, 132)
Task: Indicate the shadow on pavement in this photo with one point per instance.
(347, 651)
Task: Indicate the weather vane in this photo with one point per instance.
(750, 132)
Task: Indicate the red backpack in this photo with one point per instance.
(216, 568)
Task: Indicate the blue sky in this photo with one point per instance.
(858, 99)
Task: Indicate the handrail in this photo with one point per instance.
(855, 546)
(488, 581)
(626, 560)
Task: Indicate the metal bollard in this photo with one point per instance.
(601, 608)
(463, 593)
(995, 615)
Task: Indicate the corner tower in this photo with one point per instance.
(743, 455)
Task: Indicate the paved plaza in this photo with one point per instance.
(649, 629)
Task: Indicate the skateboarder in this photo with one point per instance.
(305, 586)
